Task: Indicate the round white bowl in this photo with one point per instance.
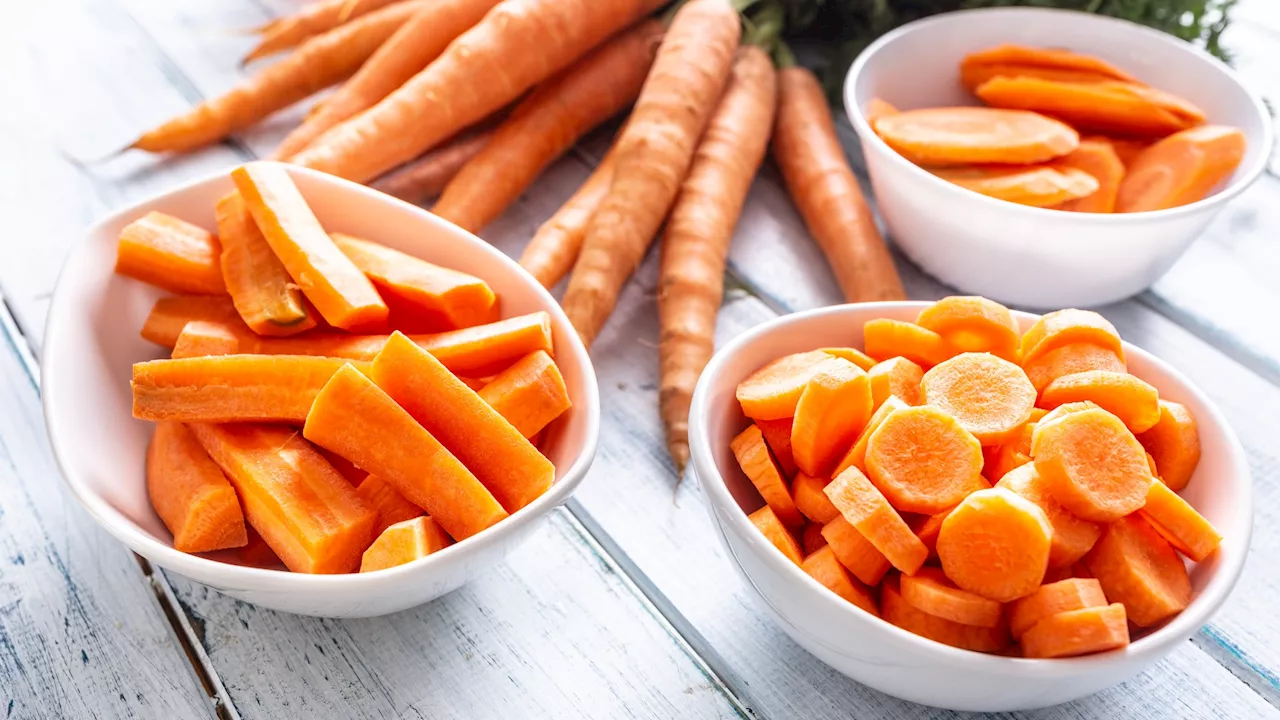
(895, 661)
(92, 341)
(1022, 255)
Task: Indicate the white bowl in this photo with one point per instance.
(1022, 255)
(92, 341)
(895, 661)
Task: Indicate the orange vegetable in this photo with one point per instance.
(1135, 402)
(1098, 158)
(971, 135)
(1173, 443)
(870, 513)
(923, 460)
(1181, 168)
(257, 553)
(853, 355)
(169, 253)
(1072, 536)
(200, 338)
(810, 499)
(756, 463)
(833, 408)
(1187, 530)
(266, 298)
(973, 324)
(823, 566)
(857, 455)
(998, 460)
(190, 493)
(389, 504)
(1137, 567)
(554, 248)
(314, 19)
(972, 76)
(878, 108)
(424, 177)
(995, 543)
(1065, 327)
(930, 591)
(1070, 359)
(777, 435)
(898, 377)
(885, 339)
(771, 527)
(771, 393)
(1051, 599)
(855, 552)
(1043, 58)
(1037, 186)
(1078, 632)
(403, 543)
(968, 637)
(529, 394)
(811, 539)
(1091, 464)
(991, 398)
(1118, 107)
(1128, 149)
(171, 314)
(927, 528)
(305, 510)
(353, 474)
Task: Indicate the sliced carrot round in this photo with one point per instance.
(827, 570)
(1072, 536)
(1078, 632)
(990, 397)
(811, 501)
(1055, 58)
(927, 527)
(757, 464)
(1091, 464)
(971, 76)
(930, 590)
(1115, 107)
(995, 544)
(833, 408)
(771, 393)
(1135, 402)
(853, 355)
(884, 339)
(1138, 567)
(923, 460)
(898, 377)
(1174, 444)
(857, 455)
(1037, 186)
(898, 611)
(967, 135)
(1181, 168)
(1060, 412)
(767, 522)
(973, 324)
(866, 509)
(1051, 599)
(1071, 359)
(1174, 518)
(1063, 327)
(1097, 157)
(855, 552)
(998, 460)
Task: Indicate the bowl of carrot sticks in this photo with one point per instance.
(309, 395)
(970, 507)
(1049, 158)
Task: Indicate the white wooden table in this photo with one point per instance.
(623, 605)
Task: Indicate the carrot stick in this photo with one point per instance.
(315, 19)
(266, 298)
(1078, 632)
(855, 552)
(171, 314)
(1051, 599)
(546, 124)
(870, 513)
(696, 241)
(832, 410)
(384, 499)
(824, 189)
(1173, 444)
(517, 45)
(989, 397)
(424, 178)
(341, 293)
(317, 64)
(529, 394)
(824, 567)
(1174, 518)
(757, 464)
(200, 338)
(171, 254)
(923, 460)
(403, 543)
(995, 544)
(777, 435)
(190, 493)
(811, 539)
(779, 536)
(1181, 168)
(554, 249)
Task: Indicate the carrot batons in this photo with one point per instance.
(200, 338)
(777, 435)
(1041, 58)
(1091, 464)
(1135, 402)
(390, 505)
(823, 566)
(1053, 598)
(811, 539)
(991, 398)
(266, 298)
(898, 611)
(855, 552)
(898, 377)
(923, 460)
(190, 493)
(169, 253)
(833, 408)
(867, 510)
(358, 420)
(1173, 444)
(1098, 158)
(1072, 536)
(1187, 530)
(340, 292)
(810, 499)
(885, 339)
(1077, 632)
(995, 544)
(1137, 567)
(1181, 168)
(929, 590)
(973, 324)
(771, 393)
(1069, 360)
(171, 314)
(969, 135)
(780, 537)
(403, 543)
(756, 463)
(1064, 327)
(529, 394)
(1118, 107)
(305, 510)
(1037, 186)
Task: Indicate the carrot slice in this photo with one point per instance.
(1098, 158)
(1181, 168)
(870, 513)
(404, 542)
(756, 463)
(340, 292)
(190, 493)
(1072, 536)
(1118, 107)
(810, 499)
(1050, 58)
(230, 388)
(998, 460)
(1070, 359)
(463, 300)
(1137, 567)
(1062, 411)
(390, 505)
(823, 566)
(777, 435)
(170, 253)
(885, 339)
(929, 590)
(877, 108)
(973, 324)
(1037, 186)
(1078, 632)
(200, 338)
(170, 314)
(833, 408)
(853, 355)
(305, 510)
(990, 397)
(927, 529)
(855, 552)
(771, 393)
(1135, 402)
(1173, 444)
(1091, 464)
(1051, 599)
(529, 394)
(265, 296)
(923, 460)
(971, 76)
(1128, 149)
(1064, 327)
(811, 539)
(968, 135)
(771, 527)
(895, 609)
(898, 377)
(857, 455)
(996, 544)
(1174, 518)
(354, 417)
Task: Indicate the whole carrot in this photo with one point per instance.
(517, 45)
(654, 154)
(419, 41)
(315, 65)
(546, 124)
(315, 19)
(551, 253)
(824, 188)
(696, 242)
(425, 178)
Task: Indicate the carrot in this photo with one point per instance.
(310, 516)
(345, 467)
(171, 314)
(1128, 149)
(823, 566)
(1137, 567)
(387, 502)
(1064, 327)
(1135, 402)
(989, 397)
(655, 152)
(529, 394)
(1051, 599)
(898, 377)
(257, 553)
(771, 527)
(973, 324)
(1060, 412)
(1015, 452)
(930, 591)
(974, 75)
(554, 248)
(424, 177)
(314, 66)
(405, 53)
(1119, 107)
(354, 417)
(200, 338)
(266, 298)
(170, 253)
(878, 108)
(1173, 444)
(1036, 185)
(1181, 168)
(403, 543)
(884, 339)
(923, 460)
(756, 463)
(517, 45)
(855, 552)
(811, 539)
(492, 448)
(777, 435)
(1078, 632)
(1174, 518)
(898, 611)
(315, 19)
(853, 355)
(698, 232)
(1098, 158)
(1070, 359)
(1072, 536)
(341, 293)
(995, 543)
(857, 455)
(1092, 464)
(810, 499)
(832, 410)
(190, 493)
(771, 393)
(968, 135)
(928, 528)
(827, 194)
(1053, 58)
(230, 388)
(870, 513)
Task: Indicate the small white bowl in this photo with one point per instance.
(895, 661)
(1021, 255)
(92, 341)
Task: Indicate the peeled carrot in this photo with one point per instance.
(1064, 327)
(832, 410)
(995, 543)
(190, 493)
(1181, 168)
(969, 135)
(1135, 402)
(1119, 107)
(314, 19)
(971, 76)
(826, 192)
(898, 377)
(771, 393)
(811, 539)
(1174, 518)
(315, 65)
(266, 298)
(1070, 359)
(1091, 464)
(1060, 412)
(884, 339)
(1051, 599)
(930, 591)
(973, 324)
(403, 543)
(923, 460)
(1034, 185)
(170, 314)
(968, 637)
(698, 232)
(387, 502)
(810, 499)
(554, 248)
(257, 553)
(989, 397)
(857, 455)
(1098, 158)
(1052, 58)
(200, 338)
(878, 108)
(855, 552)
(771, 527)
(345, 467)
(756, 463)
(870, 513)
(529, 394)
(1128, 149)
(1173, 443)
(1072, 536)
(170, 253)
(1078, 632)
(1137, 567)
(777, 435)
(998, 460)
(928, 528)
(424, 177)
(310, 516)
(853, 355)
(823, 566)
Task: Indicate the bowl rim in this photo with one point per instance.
(869, 137)
(1146, 648)
(238, 577)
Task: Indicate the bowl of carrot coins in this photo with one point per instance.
(1049, 158)
(309, 395)
(970, 507)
